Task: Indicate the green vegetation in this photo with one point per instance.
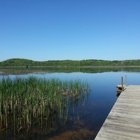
(68, 63)
(33, 103)
(24, 66)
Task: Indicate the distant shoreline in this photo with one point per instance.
(69, 66)
(90, 63)
(17, 70)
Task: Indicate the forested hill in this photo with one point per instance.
(89, 62)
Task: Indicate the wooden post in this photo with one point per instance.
(122, 82)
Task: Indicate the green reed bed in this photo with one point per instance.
(26, 102)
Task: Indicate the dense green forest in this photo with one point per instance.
(68, 63)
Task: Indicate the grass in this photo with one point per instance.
(28, 102)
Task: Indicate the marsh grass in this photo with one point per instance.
(29, 103)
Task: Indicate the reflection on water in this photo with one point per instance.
(88, 114)
(23, 70)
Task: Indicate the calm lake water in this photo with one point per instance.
(91, 112)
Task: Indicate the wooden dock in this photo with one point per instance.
(123, 121)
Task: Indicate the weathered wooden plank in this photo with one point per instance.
(112, 136)
(123, 132)
(123, 121)
(130, 120)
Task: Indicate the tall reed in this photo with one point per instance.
(27, 101)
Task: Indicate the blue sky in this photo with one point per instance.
(70, 29)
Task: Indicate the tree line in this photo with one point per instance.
(69, 63)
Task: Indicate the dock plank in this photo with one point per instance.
(123, 121)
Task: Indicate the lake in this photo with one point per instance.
(88, 115)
